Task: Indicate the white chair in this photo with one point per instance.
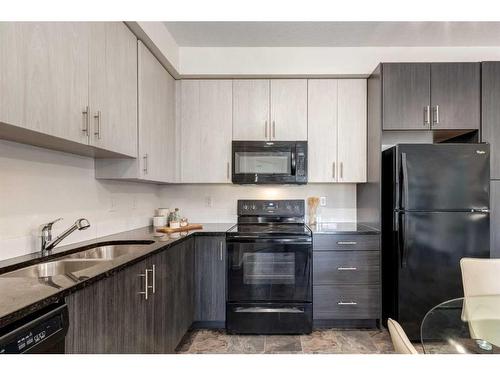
(400, 341)
(480, 277)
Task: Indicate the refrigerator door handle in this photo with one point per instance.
(402, 240)
(404, 187)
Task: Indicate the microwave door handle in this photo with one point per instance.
(294, 163)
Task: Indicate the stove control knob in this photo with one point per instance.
(254, 207)
(288, 207)
(245, 207)
(297, 208)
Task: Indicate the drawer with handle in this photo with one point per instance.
(346, 302)
(327, 242)
(346, 267)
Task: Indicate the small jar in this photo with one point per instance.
(184, 222)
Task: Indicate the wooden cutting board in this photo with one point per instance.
(181, 229)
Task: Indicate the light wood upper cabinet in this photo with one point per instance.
(288, 110)
(322, 130)
(206, 131)
(113, 88)
(352, 130)
(337, 130)
(270, 110)
(156, 119)
(251, 110)
(44, 77)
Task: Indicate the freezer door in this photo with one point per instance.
(443, 176)
(430, 248)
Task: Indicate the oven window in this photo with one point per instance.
(269, 268)
(277, 162)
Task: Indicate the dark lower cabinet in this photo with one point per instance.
(113, 315)
(110, 316)
(173, 299)
(346, 280)
(210, 280)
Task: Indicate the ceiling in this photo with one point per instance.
(334, 34)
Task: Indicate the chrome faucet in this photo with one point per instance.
(48, 244)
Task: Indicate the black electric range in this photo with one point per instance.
(269, 274)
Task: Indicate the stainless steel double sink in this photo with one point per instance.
(79, 261)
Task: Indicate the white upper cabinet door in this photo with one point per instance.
(44, 77)
(352, 130)
(156, 119)
(206, 129)
(322, 130)
(113, 88)
(251, 110)
(288, 110)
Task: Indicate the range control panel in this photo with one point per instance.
(293, 207)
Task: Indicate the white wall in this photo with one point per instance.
(38, 185)
(192, 199)
(336, 61)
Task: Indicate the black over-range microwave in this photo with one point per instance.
(269, 162)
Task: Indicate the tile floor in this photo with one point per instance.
(327, 341)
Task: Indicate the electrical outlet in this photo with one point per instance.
(322, 201)
(209, 202)
(134, 202)
(112, 203)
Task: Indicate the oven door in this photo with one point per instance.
(257, 162)
(267, 270)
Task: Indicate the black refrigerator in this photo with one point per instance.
(435, 211)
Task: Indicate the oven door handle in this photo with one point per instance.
(254, 239)
(287, 310)
(294, 163)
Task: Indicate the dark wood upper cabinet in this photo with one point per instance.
(455, 95)
(210, 274)
(424, 96)
(406, 96)
(491, 113)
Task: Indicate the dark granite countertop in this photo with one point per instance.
(20, 296)
(343, 228)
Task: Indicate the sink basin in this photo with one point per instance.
(58, 267)
(109, 252)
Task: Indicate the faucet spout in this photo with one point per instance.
(48, 244)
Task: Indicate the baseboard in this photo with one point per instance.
(219, 324)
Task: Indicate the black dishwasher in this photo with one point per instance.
(42, 332)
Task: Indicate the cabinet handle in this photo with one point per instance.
(265, 129)
(146, 284)
(342, 303)
(274, 129)
(98, 128)
(145, 169)
(436, 114)
(228, 171)
(221, 251)
(86, 113)
(341, 170)
(427, 115)
(347, 269)
(153, 275)
(346, 242)
(333, 170)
